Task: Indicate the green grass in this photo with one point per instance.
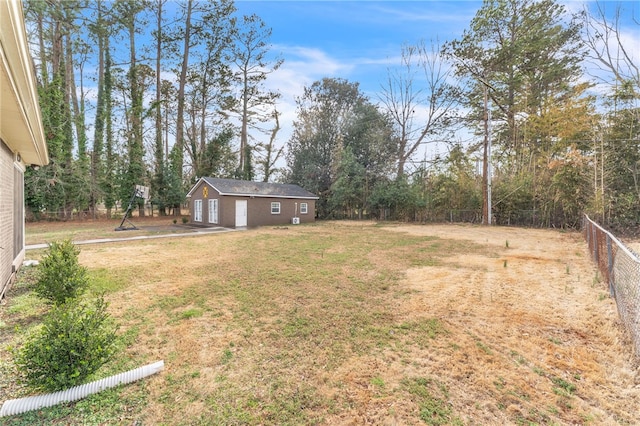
(378, 382)
(480, 344)
(97, 409)
(25, 308)
(190, 313)
(27, 305)
(432, 398)
(518, 358)
(104, 280)
(563, 387)
(555, 340)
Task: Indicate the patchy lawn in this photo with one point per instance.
(352, 323)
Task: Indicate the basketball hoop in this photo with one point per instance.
(138, 192)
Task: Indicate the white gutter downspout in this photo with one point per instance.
(22, 405)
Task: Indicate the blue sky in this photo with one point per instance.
(356, 40)
(360, 40)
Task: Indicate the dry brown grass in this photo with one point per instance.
(353, 323)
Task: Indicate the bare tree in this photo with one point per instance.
(616, 163)
(604, 38)
(419, 99)
(253, 65)
(269, 153)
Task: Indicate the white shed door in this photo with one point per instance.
(241, 213)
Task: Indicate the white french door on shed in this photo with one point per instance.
(213, 210)
(241, 213)
(197, 211)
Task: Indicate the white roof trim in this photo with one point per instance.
(20, 116)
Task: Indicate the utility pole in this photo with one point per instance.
(486, 160)
(489, 170)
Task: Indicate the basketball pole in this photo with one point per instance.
(126, 214)
(138, 192)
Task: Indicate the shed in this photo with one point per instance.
(22, 141)
(239, 203)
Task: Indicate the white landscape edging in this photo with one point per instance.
(22, 405)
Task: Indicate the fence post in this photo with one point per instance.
(610, 267)
(595, 244)
(587, 231)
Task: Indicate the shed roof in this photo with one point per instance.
(255, 189)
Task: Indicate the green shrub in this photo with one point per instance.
(60, 276)
(72, 343)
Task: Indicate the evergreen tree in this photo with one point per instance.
(108, 185)
(333, 115)
(138, 76)
(523, 57)
(158, 183)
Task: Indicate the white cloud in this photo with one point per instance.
(304, 65)
(301, 68)
(423, 15)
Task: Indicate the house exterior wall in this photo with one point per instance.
(22, 140)
(258, 209)
(11, 217)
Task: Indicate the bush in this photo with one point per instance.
(60, 275)
(72, 343)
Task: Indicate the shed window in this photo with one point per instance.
(197, 210)
(304, 208)
(275, 207)
(213, 210)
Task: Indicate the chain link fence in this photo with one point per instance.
(620, 268)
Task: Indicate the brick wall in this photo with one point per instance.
(7, 200)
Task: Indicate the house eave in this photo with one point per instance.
(20, 116)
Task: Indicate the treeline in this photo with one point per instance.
(171, 87)
(529, 139)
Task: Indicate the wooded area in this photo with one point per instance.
(181, 94)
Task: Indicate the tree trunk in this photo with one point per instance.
(159, 187)
(179, 147)
(485, 163)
